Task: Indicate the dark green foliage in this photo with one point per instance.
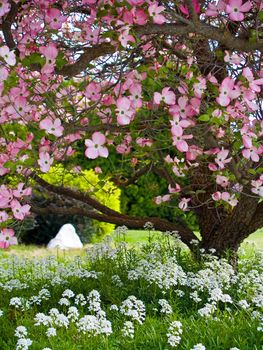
(138, 200)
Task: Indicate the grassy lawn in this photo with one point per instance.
(256, 239)
(140, 236)
(132, 237)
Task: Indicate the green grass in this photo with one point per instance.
(132, 237)
(256, 239)
(140, 236)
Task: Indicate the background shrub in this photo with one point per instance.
(41, 228)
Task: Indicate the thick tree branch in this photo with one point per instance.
(204, 30)
(83, 197)
(131, 222)
(7, 23)
(89, 54)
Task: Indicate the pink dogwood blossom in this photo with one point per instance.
(251, 153)
(21, 191)
(45, 161)
(4, 8)
(52, 127)
(184, 9)
(254, 84)
(257, 187)
(222, 180)
(167, 96)
(54, 18)
(95, 146)
(154, 11)
(3, 216)
(182, 108)
(179, 140)
(19, 211)
(215, 8)
(183, 204)
(6, 197)
(7, 55)
(228, 91)
(236, 9)
(92, 91)
(7, 238)
(124, 111)
(222, 159)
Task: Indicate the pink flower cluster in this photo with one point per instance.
(235, 9)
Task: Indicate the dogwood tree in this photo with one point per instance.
(131, 87)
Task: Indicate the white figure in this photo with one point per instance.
(66, 238)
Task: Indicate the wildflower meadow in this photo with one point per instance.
(152, 295)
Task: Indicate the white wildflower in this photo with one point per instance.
(42, 319)
(64, 301)
(128, 329)
(51, 332)
(207, 310)
(243, 304)
(21, 332)
(73, 313)
(114, 307)
(68, 293)
(80, 300)
(16, 302)
(61, 320)
(198, 347)
(44, 294)
(165, 307)
(88, 324)
(133, 308)
(195, 297)
(174, 333)
(23, 343)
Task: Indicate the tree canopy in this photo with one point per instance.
(130, 88)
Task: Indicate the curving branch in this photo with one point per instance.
(82, 197)
(108, 215)
(204, 30)
(89, 54)
(131, 222)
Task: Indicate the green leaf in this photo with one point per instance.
(252, 171)
(260, 170)
(204, 118)
(61, 60)
(34, 58)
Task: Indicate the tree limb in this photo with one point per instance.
(83, 197)
(89, 54)
(206, 31)
(131, 222)
(7, 24)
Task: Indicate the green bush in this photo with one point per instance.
(87, 181)
(138, 200)
(41, 228)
